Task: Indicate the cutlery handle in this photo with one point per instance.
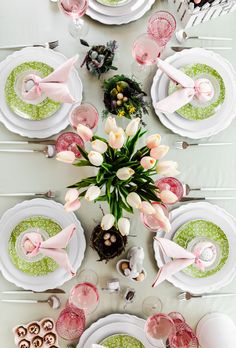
(217, 48)
(10, 47)
(213, 144)
(28, 194)
(44, 142)
(217, 295)
(19, 150)
(214, 189)
(189, 199)
(211, 38)
(19, 301)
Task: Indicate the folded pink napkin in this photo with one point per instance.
(54, 86)
(33, 244)
(202, 89)
(181, 258)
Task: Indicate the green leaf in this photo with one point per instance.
(83, 163)
(100, 175)
(82, 194)
(108, 188)
(96, 137)
(101, 199)
(83, 152)
(132, 142)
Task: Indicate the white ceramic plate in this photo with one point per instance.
(126, 9)
(114, 4)
(111, 19)
(212, 125)
(43, 128)
(55, 212)
(226, 222)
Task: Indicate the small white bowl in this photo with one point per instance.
(122, 274)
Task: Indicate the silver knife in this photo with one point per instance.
(189, 199)
(50, 291)
(181, 48)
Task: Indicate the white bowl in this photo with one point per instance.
(122, 274)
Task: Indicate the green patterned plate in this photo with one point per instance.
(202, 229)
(34, 111)
(45, 265)
(113, 2)
(195, 110)
(121, 341)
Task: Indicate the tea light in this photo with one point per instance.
(113, 285)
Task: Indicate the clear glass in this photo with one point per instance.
(68, 142)
(145, 52)
(75, 9)
(85, 114)
(71, 323)
(151, 305)
(162, 25)
(84, 296)
(171, 184)
(150, 221)
(158, 328)
(88, 276)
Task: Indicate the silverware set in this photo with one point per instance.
(183, 145)
(49, 45)
(186, 296)
(49, 151)
(49, 194)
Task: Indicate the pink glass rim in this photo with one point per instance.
(153, 18)
(142, 216)
(90, 285)
(160, 316)
(150, 37)
(73, 15)
(166, 13)
(179, 184)
(77, 106)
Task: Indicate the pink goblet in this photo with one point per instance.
(184, 336)
(171, 184)
(158, 328)
(71, 323)
(68, 142)
(150, 221)
(84, 296)
(162, 25)
(85, 114)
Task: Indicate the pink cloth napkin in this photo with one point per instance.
(54, 86)
(181, 259)
(33, 244)
(201, 89)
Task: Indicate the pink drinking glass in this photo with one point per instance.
(75, 9)
(150, 221)
(71, 323)
(158, 328)
(171, 184)
(68, 142)
(85, 114)
(184, 336)
(84, 296)
(161, 25)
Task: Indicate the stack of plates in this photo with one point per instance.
(50, 217)
(46, 117)
(196, 221)
(116, 328)
(116, 12)
(190, 121)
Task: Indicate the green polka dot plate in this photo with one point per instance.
(200, 111)
(121, 341)
(37, 110)
(196, 231)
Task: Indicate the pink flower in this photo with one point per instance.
(117, 138)
(153, 141)
(167, 168)
(168, 197)
(163, 221)
(159, 152)
(72, 200)
(147, 208)
(147, 162)
(66, 157)
(84, 132)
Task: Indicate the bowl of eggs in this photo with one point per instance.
(124, 269)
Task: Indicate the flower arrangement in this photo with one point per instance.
(124, 177)
(99, 59)
(124, 97)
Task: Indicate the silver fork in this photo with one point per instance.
(186, 296)
(50, 44)
(183, 145)
(49, 194)
(49, 151)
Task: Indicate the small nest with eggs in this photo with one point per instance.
(108, 244)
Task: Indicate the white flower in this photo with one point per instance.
(147, 208)
(92, 193)
(99, 146)
(124, 226)
(167, 168)
(66, 157)
(132, 127)
(134, 200)
(117, 138)
(72, 200)
(84, 132)
(124, 173)
(163, 220)
(168, 197)
(153, 141)
(159, 152)
(147, 162)
(107, 222)
(95, 158)
(110, 125)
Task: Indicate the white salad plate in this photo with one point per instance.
(208, 212)
(115, 3)
(202, 128)
(51, 210)
(40, 128)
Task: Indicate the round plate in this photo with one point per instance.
(44, 108)
(118, 11)
(39, 267)
(200, 111)
(209, 231)
(122, 341)
(52, 211)
(46, 127)
(113, 3)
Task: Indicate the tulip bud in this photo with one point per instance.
(92, 193)
(72, 206)
(84, 132)
(71, 195)
(153, 141)
(132, 127)
(147, 162)
(159, 152)
(168, 197)
(66, 157)
(124, 173)
(95, 158)
(147, 208)
(110, 125)
(107, 222)
(134, 200)
(116, 139)
(99, 146)
(167, 168)
(162, 219)
(124, 226)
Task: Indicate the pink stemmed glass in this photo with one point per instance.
(71, 323)
(161, 25)
(84, 296)
(75, 9)
(68, 142)
(145, 51)
(184, 336)
(171, 184)
(158, 328)
(150, 221)
(85, 114)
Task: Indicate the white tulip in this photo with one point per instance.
(168, 197)
(110, 125)
(132, 127)
(153, 141)
(92, 193)
(99, 146)
(147, 162)
(147, 208)
(163, 221)
(167, 168)
(159, 152)
(117, 138)
(95, 158)
(124, 226)
(124, 173)
(66, 157)
(84, 132)
(134, 200)
(71, 195)
(107, 222)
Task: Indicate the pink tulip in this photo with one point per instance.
(66, 157)
(110, 125)
(147, 208)
(147, 162)
(117, 139)
(153, 141)
(72, 206)
(72, 200)
(167, 168)
(162, 219)
(159, 152)
(84, 132)
(168, 197)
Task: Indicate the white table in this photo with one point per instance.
(39, 20)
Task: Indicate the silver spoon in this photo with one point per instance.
(188, 189)
(49, 151)
(183, 145)
(181, 36)
(53, 301)
(48, 194)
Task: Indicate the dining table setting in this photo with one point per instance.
(118, 165)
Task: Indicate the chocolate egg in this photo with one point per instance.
(24, 344)
(49, 339)
(37, 342)
(34, 329)
(124, 265)
(21, 331)
(47, 325)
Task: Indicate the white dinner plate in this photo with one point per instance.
(43, 128)
(109, 3)
(54, 211)
(126, 9)
(212, 125)
(226, 222)
(133, 14)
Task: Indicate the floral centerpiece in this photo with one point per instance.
(124, 97)
(124, 177)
